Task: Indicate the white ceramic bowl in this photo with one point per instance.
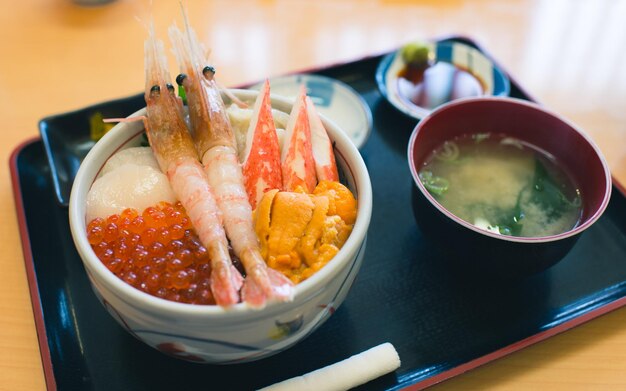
(213, 334)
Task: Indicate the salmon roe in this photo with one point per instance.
(157, 252)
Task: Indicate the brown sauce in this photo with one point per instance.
(434, 85)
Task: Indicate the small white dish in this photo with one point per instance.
(333, 99)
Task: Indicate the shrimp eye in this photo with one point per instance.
(155, 89)
(208, 69)
(170, 87)
(180, 79)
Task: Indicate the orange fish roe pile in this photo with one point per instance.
(156, 251)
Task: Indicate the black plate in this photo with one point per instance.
(441, 324)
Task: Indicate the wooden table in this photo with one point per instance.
(57, 56)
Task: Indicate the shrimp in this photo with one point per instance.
(177, 157)
(215, 142)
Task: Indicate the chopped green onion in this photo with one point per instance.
(434, 184)
(512, 142)
(505, 231)
(480, 137)
(449, 152)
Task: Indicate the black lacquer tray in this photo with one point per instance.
(442, 324)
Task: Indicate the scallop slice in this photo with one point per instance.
(141, 156)
(127, 186)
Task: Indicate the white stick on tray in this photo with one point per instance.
(346, 374)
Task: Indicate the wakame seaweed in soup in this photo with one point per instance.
(503, 185)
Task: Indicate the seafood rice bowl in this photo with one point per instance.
(219, 226)
(213, 333)
(234, 229)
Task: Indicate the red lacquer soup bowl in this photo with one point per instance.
(491, 252)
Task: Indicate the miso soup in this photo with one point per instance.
(503, 185)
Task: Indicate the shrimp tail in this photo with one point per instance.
(263, 282)
(282, 287)
(252, 294)
(222, 288)
(225, 282)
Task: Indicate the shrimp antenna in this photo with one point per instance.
(183, 9)
(192, 39)
(142, 23)
(140, 9)
(195, 48)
